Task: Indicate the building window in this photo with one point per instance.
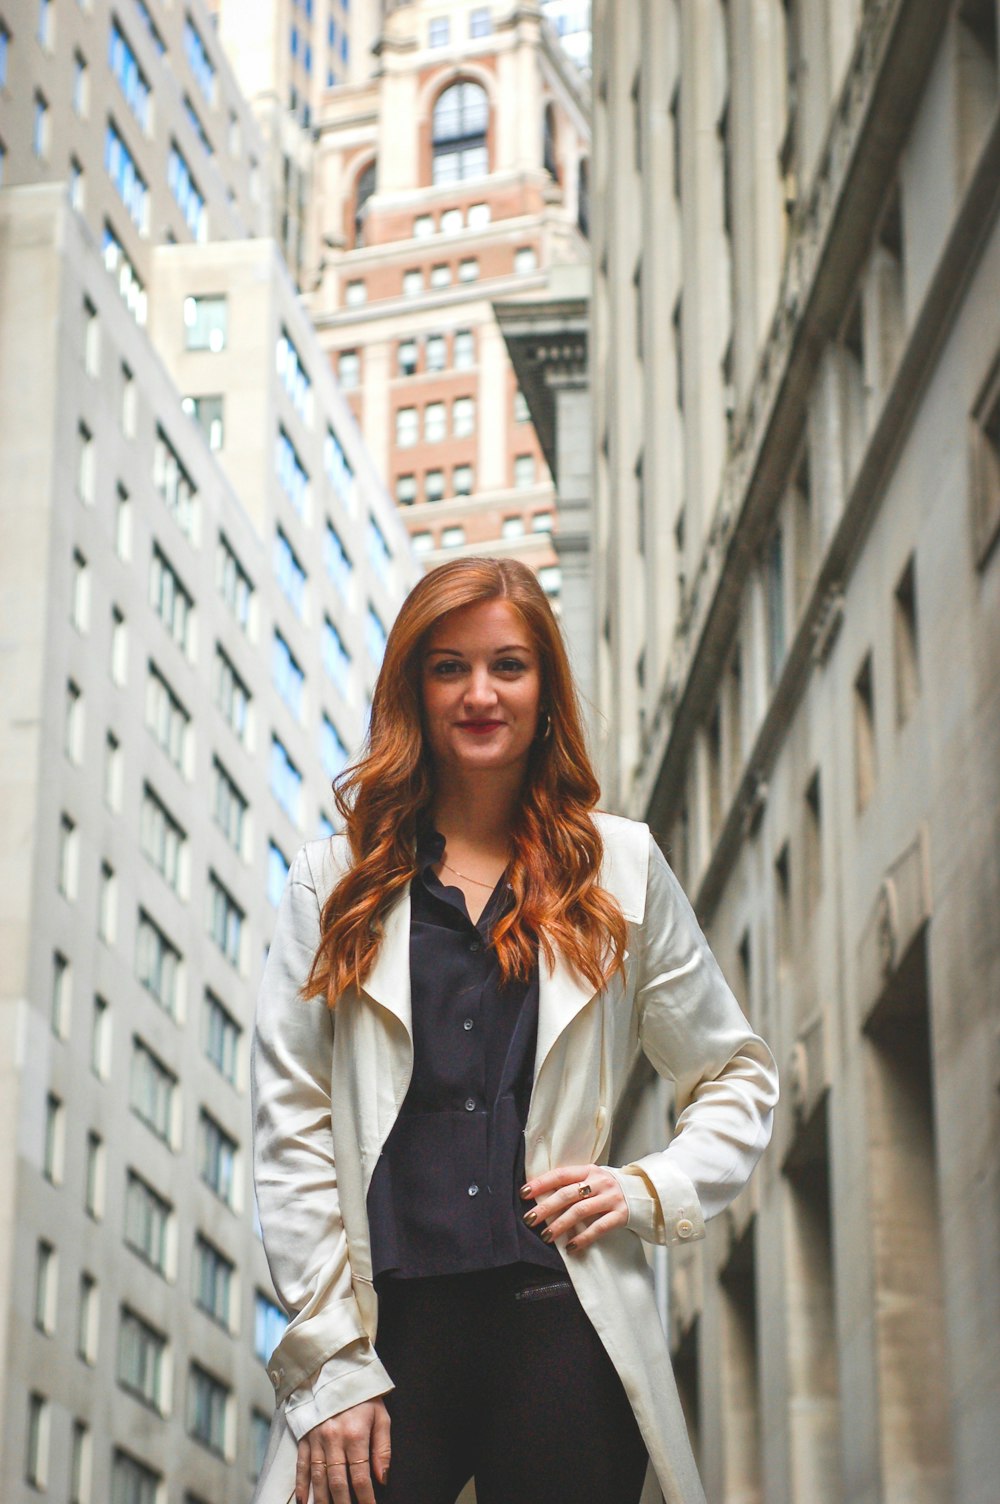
(290, 574)
(435, 353)
(80, 1463)
(452, 537)
(129, 402)
(522, 413)
(123, 523)
(549, 160)
(541, 522)
(260, 1434)
(152, 1091)
(423, 226)
(525, 260)
(132, 1482)
(441, 275)
(158, 964)
(174, 484)
(170, 600)
(355, 293)
(423, 542)
(294, 377)
(162, 840)
(113, 771)
(130, 287)
(337, 561)
(332, 749)
(375, 635)
(464, 352)
(73, 723)
(199, 62)
(287, 675)
(235, 585)
(62, 986)
(480, 21)
(905, 642)
(864, 733)
(225, 921)
(214, 1281)
(524, 471)
(141, 1359)
(77, 182)
(217, 1158)
(458, 132)
(406, 357)
(128, 180)
(107, 904)
(406, 490)
(231, 695)
(986, 467)
(46, 1287)
(187, 194)
(100, 1038)
(277, 873)
(461, 480)
(269, 1325)
(41, 127)
(292, 473)
(131, 79)
(286, 781)
(435, 422)
(119, 647)
(463, 417)
(407, 426)
(69, 857)
(169, 723)
(53, 1149)
(413, 283)
(36, 1468)
(434, 485)
(339, 470)
(4, 52)
(379, 555)
(87, 1320)
(147, 1222)
(468, 269)
(438, 31)
(349, 370)
(229, 807)
(550, 579)
(208, 1409)
(93, 1181)
(336, 658)
(206, 322)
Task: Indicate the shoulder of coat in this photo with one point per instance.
(626, 861)
(327, 859)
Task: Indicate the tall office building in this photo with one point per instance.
(199, 569)
(795, 338)
(570, 20)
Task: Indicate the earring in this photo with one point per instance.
(546, 732)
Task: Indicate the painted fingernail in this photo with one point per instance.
(547, 1235)
(531, 1217)
(571, 1247)
(526, 1190)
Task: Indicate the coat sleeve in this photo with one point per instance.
(693, 1032)
(295, 1177)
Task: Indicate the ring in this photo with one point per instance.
(584, 1190)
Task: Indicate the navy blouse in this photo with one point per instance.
(444, 1197)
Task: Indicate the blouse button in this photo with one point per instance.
(467, 1025)
(470, 1104)
(473, 1189)
(475, 946)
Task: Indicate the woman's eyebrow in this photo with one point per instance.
(513, 647)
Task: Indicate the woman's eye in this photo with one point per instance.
(510, 666)
(446, 668)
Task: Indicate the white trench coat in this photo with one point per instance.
(327, 1088)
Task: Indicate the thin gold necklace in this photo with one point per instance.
(466, 878)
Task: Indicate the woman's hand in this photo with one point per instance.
(584, 1200)
(339, 1456)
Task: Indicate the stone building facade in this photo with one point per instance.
(794, 339)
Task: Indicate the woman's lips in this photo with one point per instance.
(479, 728)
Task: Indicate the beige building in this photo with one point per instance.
(794, 344)
(199, 569)
(449, 178)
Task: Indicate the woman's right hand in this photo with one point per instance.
(340, 1456)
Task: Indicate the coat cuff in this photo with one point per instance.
(350, 1378)
(308, 1343)
(663, 1205)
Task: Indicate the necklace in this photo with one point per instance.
(465, 876)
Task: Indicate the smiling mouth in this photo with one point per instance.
(479, 725)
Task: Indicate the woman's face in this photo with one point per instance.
(481, 683)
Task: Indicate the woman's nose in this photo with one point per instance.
(480, 689)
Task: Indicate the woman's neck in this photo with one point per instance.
(474, 816)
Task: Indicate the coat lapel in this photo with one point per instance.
(562, 993)
(388, 982)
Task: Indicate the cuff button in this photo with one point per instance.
(685, 1227)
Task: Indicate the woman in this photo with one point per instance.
(457, 991)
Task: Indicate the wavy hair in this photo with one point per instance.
(556, 846)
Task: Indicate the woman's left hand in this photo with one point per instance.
(585, 1201)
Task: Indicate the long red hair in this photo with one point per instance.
(556, 846)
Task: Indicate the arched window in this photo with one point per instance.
(363, 192)
(458, 133)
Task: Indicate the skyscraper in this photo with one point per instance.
(199, 569)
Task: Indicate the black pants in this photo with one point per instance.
(501, 1377)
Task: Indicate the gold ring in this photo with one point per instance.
(584, 1190)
